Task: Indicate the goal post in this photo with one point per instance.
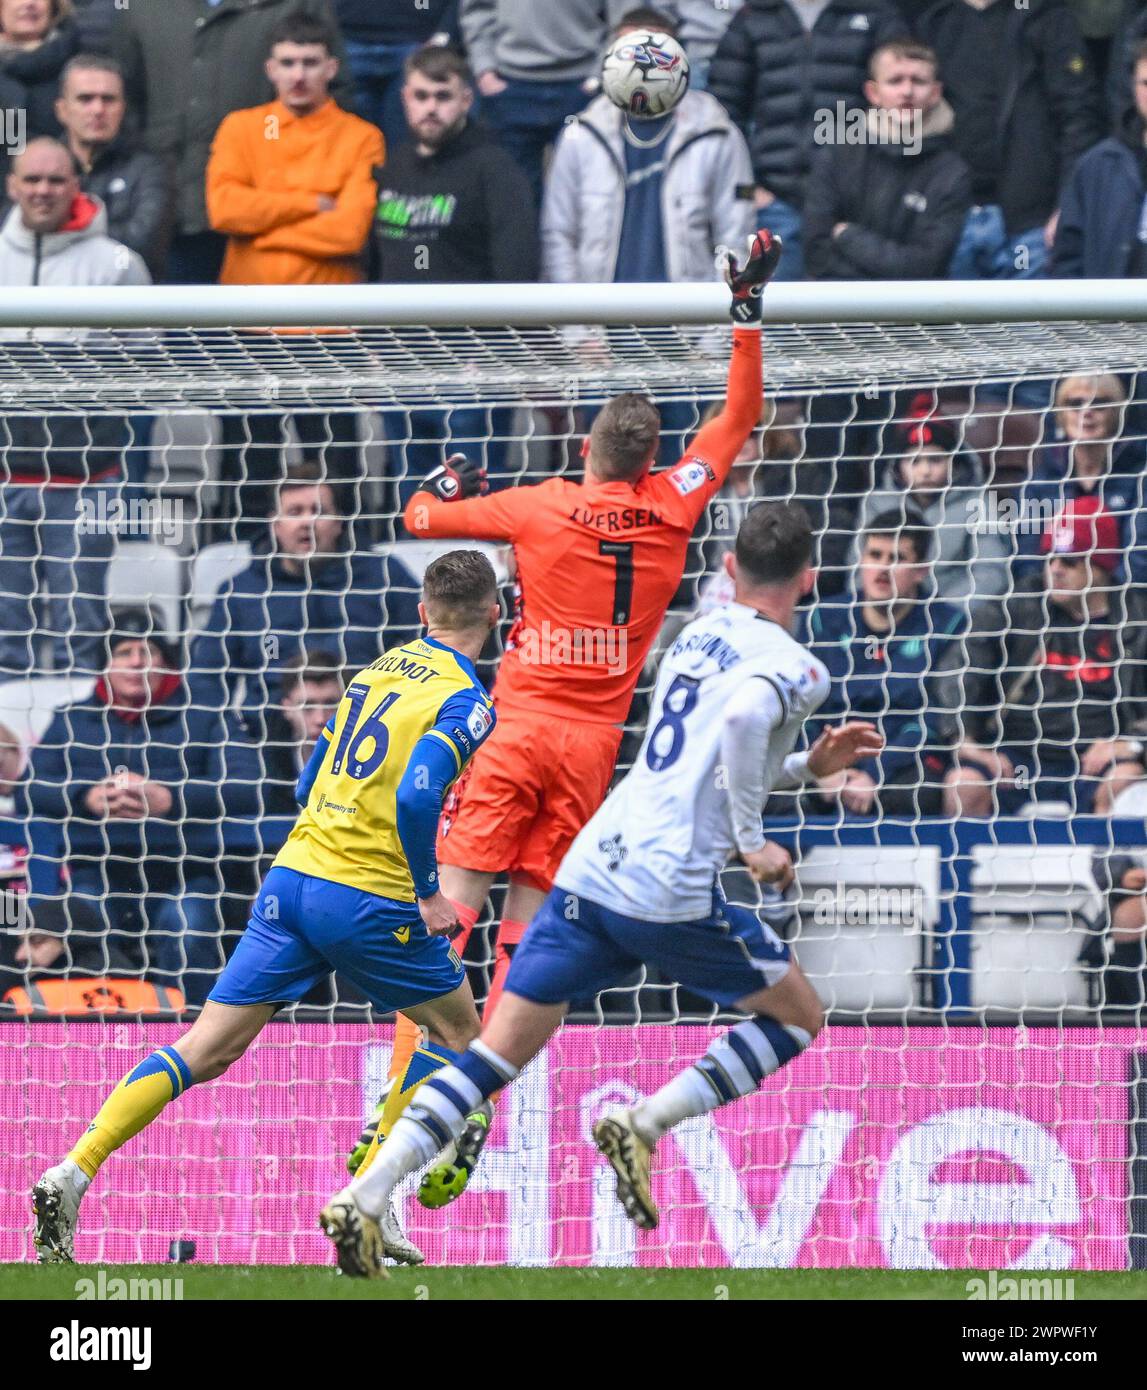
(973, 1100)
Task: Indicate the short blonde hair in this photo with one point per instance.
(1093, 383)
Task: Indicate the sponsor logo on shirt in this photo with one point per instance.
(691, 474)
(479, 721)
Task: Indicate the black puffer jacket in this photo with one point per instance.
(1049, 107)
(904, 209)
(772, 76)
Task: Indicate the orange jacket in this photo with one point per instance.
(97, 996)
(266, 172)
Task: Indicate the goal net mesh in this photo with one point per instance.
(970, 911)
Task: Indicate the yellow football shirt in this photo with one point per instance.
(347, 832)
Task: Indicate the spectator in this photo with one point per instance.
(1055, 676)
(648, 200)
(1026, 108)
(453, 207)
(310, 689)
(701, 25)
(1102, 232)
(379, 39)
(1122, 879)
(37, 37)
(930, 473)
(297, 210)
(187, 66)
(291, 183)
(1131, 31)
(890, 208)
(537, 62)
(66, 964)
(1091, 459)
(881, 643)
(135, 187)
(150, 796)
(59, 471)
(304, 586)
(779, 63)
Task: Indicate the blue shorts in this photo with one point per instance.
(302, 928)
(575, 948)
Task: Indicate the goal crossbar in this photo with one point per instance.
(266, 306)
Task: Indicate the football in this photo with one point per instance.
(645, 73)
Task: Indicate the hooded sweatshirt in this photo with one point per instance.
(80, 253)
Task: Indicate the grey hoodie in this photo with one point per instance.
(540, 40)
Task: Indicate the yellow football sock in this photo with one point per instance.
(427, 1059)
(132, 1106)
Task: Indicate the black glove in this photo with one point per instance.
(747, 282)
(457, 477)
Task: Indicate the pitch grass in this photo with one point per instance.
(242, 1283)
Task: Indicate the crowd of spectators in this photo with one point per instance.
(300, 142)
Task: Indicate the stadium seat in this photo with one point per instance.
(1030, 908)
(211, 568)
(144, 572)
(27, 706)
(866, 918)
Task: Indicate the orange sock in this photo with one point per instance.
(468, 916)
(509, 934)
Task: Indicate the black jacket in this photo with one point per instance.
(1008, 677)
(30, 80)
(1099, 214)
(94, 19)
(1050, 110)
(138, 191)
(772, 76)
(465, 210)
(904, 211)
(386, 21)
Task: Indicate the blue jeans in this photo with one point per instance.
(528, 117)
(419, 440)
(986, 252)
(377, 72)
(784, 220)
(59, 535)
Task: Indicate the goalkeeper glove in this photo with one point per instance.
(748, 281)
(457, 477)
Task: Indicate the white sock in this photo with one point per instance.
(735, 1065)
(70, 1172)
(429, 1123)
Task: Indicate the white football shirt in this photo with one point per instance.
(732, 694)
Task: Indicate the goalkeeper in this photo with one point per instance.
(598, 563)
(354, 889)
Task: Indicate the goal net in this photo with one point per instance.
(970, 906)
